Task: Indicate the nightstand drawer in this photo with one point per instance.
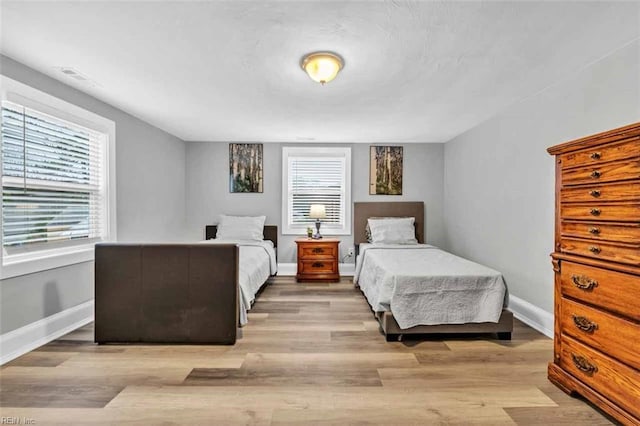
(318, 250)
(319, 266)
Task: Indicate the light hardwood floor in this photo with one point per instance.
(311, 354)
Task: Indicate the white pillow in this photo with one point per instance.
(400, 230)
(241, 227)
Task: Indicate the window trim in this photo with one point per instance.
(44, 259)
(293, 151)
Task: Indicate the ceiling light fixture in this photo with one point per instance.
(322, 67)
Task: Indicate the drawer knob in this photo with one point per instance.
(594, 230)
(583, 364)
(594, 249)
(594, 193)
(318, 250)
(317, 265)
(584, 324)
(595, 212)
(596, 155)
(584, 283)
(595, 174)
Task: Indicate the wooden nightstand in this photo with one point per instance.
(318, 260)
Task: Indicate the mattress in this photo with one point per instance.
(423, 285)
(257, 262)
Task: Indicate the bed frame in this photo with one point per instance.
(388, 324)
(168, 293)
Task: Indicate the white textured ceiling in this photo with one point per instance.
(229, 71)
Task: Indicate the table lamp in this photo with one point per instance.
(317, 212)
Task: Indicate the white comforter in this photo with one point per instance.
(257, 262)
(423, 285)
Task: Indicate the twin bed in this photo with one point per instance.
(257, 262)
(201, 293)
(415, 288)
(180, 293)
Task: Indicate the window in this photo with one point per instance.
(55, 182)
(316, 176)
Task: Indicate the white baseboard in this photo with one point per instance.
(24, 339)
(533, 316)
(347, 269)
(290, 269)
(287, 269)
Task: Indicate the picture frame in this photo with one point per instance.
(385, 170)
(246, 168)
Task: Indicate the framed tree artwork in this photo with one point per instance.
(245, 167)
(385, 170)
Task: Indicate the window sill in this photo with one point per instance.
(32, 263)
(326, 232)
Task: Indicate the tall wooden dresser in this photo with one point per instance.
(597, 271)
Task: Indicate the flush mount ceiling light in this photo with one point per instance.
(322, 66)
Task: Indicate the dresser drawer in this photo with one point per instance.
(628, 148)
(624, 233)
(610, 172)
(616, 212)
(613, 291)
(318, 250)
(319, 266)
(601, 250)
(600, 330)
(611, 378)
(627, 191)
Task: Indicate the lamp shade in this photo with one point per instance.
(317, 211)
(322, 66)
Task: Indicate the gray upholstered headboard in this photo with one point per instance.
(363, 211)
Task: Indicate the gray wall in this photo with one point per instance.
(499, 179)
(208, 188)
(150, 203)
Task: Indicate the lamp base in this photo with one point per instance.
(317, 235)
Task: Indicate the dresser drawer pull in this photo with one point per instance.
(595, 249)
(595, 231)
(318, 250)
(584, 324)
(595, 212)
(583, 364)
(595, 174)
(584, 283)
(596, 156)
(594, 193)
(317, 265)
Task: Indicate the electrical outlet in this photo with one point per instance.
(350, 252)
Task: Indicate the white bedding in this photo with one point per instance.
(257, 262)
(423, 285)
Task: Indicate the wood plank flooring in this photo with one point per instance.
(311, 354)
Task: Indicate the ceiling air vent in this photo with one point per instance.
(77, 75)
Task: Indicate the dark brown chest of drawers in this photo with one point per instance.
(597, 271)
(318, 260)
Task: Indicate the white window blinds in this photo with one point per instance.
(317, 176)
(52, 179)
